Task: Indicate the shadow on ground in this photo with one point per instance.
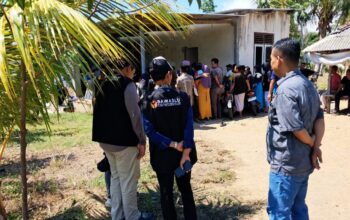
(40, 135)
(12, 168)
(226, 207)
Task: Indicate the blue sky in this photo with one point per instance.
(221, 5)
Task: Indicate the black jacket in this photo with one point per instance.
(111, 120)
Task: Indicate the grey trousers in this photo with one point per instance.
(215, 95)
(125, 170)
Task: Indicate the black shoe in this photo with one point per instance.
(146, 216)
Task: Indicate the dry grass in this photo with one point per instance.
(65, 184)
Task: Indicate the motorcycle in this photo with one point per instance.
(228, 105)
(252, 103)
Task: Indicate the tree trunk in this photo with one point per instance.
(3, 215)
(23, 134)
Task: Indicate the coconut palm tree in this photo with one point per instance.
(40, 41)
(326, 11)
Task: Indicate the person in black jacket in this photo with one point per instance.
(117, 127)
(168, 122)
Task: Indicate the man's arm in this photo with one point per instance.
(188, 142)
(303, 136)
(232, 86)
(131, 102)
(340, 88)
(269, 96)
(156, 137)
(319, 129)
(188, 132)
(248, 84)
(217, 80)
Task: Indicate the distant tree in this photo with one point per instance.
(208, 6)
(311, 38)
(329, 11)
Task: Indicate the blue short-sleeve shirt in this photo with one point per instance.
(296, 106)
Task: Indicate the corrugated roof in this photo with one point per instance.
(256, 10)
(337, 41)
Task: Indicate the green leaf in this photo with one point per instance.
(21, 3)
(199, 2)
(90, 4)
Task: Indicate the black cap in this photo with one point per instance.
(159, 68)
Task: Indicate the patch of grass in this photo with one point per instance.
(68, 131)
(225, 175)
(14, 216)
(226, 207)
(58, 162)
(44, 186)
(11, 188)
(74, 213)
(98, 182)
(148, 176)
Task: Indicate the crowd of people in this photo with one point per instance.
(209, 88)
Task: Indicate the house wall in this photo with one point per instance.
(276, 23)
(211, 40)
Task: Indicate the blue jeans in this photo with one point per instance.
(286, 199)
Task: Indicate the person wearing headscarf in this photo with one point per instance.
(203, 84)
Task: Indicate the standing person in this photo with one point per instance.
(185, 82)
(294, 135)
(239, 87)
(266, 86)
(117, 127)
(203, 83)
(257, 81)
(169, 126)
(217, 88)
(343, 90)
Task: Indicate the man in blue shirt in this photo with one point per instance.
(294, 135)
(168, 122)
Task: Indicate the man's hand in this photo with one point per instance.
(177, 145)
(142, 149)
(185, 156)
(316, 157)
(269, 97)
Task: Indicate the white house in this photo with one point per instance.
(243, 37)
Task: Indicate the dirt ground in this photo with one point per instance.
(230, 179)
(328, 195)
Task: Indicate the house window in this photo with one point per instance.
(191, 54)
(262, 48)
